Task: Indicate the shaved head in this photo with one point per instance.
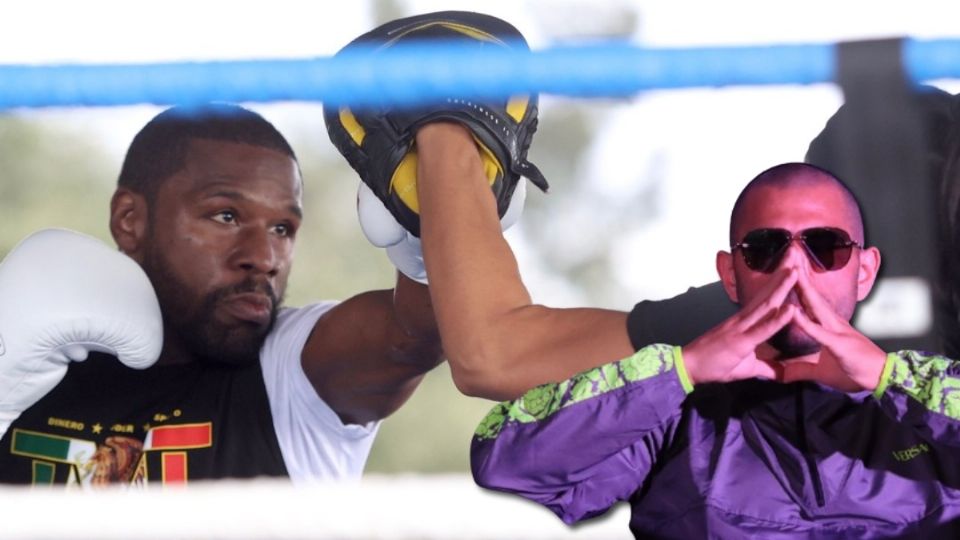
(796, 175)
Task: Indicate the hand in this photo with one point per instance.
(848, 360)
(62, 295)
(728, 352)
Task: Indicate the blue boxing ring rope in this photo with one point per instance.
(410, 75)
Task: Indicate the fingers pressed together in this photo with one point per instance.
(847, 361)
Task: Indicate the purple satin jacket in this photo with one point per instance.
(750, 459)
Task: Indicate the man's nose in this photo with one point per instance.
(796, 256)
(256, 251)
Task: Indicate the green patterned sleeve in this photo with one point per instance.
(580, 445)
(912, 377)
(652, 363)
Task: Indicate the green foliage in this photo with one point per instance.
(432, 432)
(50, 178)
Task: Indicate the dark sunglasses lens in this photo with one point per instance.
(829, 246)
(762, 248)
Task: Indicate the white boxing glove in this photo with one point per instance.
(403, 248)
(62, 295)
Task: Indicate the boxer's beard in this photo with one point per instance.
(194, 324)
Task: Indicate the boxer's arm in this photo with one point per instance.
(368, 354)
(499, 344)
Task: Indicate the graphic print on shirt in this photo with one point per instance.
(168, 445)
(87, 461)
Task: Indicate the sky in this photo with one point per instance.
(701, 141)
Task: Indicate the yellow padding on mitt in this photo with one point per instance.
(404, 180)
(354, 129)
(467, 30)
(517, 107)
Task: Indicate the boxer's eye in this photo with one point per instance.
(227, 217)
(284, 229)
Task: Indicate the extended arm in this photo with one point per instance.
(581, 445)
(366, 356)
(497, 341)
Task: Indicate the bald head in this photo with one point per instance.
(792, 179)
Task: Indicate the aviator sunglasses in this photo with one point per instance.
(828, 248)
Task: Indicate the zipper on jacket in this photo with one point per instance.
(805, 450)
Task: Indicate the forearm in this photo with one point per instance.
(498, 343)
(533, 345)
(923, 391)
(474, 278)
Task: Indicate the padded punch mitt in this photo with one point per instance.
(378, 142)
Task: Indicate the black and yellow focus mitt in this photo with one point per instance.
(378, 142)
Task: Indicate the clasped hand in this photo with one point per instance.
(737, 349)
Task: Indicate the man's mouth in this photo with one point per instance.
(251, 307)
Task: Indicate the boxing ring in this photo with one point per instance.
(410, 75)
(379, 506)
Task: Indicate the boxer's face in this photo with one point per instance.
(219, 247)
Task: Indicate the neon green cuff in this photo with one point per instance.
(682, 370)
(885, 376)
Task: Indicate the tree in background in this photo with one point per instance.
(51, 177)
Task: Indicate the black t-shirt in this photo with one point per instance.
(681, 319)
(108, 423)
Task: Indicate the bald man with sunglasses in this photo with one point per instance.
(781, 422)
(797, 267)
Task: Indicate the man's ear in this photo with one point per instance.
(867, 271)
(128, 221)
(727, 276)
